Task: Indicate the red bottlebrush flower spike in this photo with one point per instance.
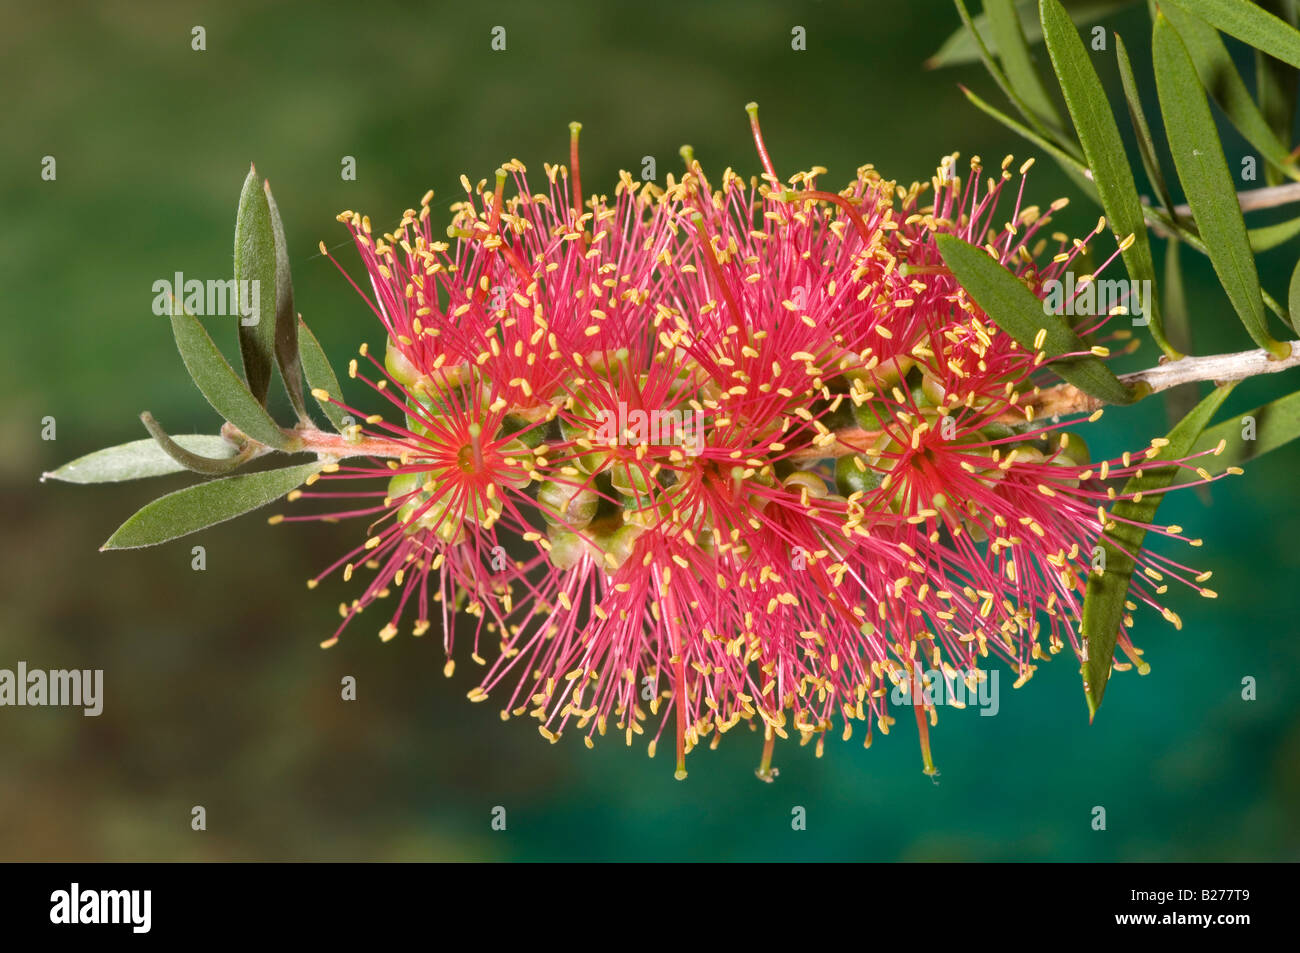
(705, 456)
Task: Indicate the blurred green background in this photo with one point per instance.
(216, 691)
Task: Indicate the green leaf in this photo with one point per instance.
(1251, 24)
(1005, 85)
(255, 268)
(1271, 236)
(1203, 171)
(1146, 145)
(1177, 321)
(1293, 297)
(1261, 239)
(210, 466)
(1220, 77)
(1104, 151)
(1276, 424)
(286, 319)
(1275, 84)
(1103, 604)
(137, 460)
(1177, 311)
(206, 504)
(1070, 165)
(320, 376)
(219, 382)
(1018, 312)
(960, 46)
(1018, 63)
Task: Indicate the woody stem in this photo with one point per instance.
(1063, 400)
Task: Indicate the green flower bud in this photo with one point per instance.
(417, 513)
(996, 431)
(620, 543)
(884, 375)
(931, 390)
(526, 431)
(1026, 453)
(850, 478)
(802, 479)
(1074, 449)
(567, 549)
(572, 507)
(398, 367)
(630, 479)
(520, 461)
(867, 415)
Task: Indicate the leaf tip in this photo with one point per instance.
(1093, 699)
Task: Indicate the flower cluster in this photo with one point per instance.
(722, 453)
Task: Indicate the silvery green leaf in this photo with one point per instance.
(206, 504)
(137, 460)
(255, 270)
(320, 376)
(286, 319)
(219, 383)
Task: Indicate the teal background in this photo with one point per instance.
(216, 691)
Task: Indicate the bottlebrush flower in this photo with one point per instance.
(705, 455)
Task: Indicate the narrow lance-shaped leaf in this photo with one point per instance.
(197, 462)
(1179, 401)
(1276, 83)
(1103, 604)
(138, 459)
(1018, 312)
(1293, 297)
(255, 276)
(1251, 24)
(220, 384)
(960, 46)
(1177, 311)
(1207, 182)
(1104, 150)
(1005, 85)
(1260, 239)
(1268, 237)
(1250, 435)
(1220, 77)
(1146, 145)
(206, 504)
(1071, 166)
(286, 319)
(320, 376)
(1018, 64)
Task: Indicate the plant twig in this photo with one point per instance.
(1252, 200)
(1063, 400)
(1066, 399)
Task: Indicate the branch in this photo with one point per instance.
(1063, 400)
(1255, 199)
(1066, 399)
